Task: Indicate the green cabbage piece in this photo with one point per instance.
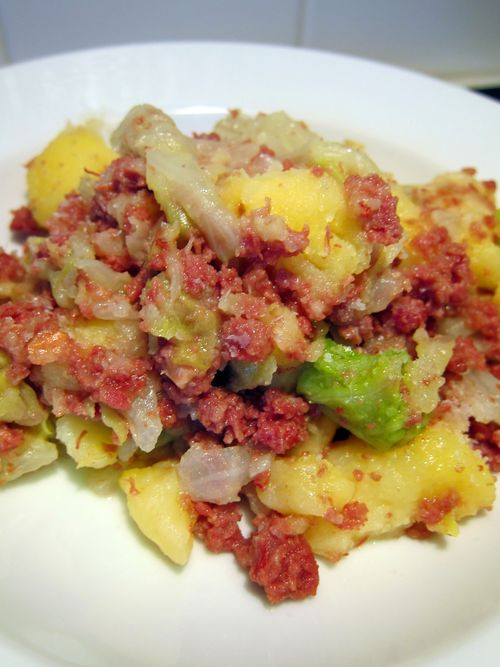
(362, 392)
(18, 403)
(36, 451)
(187, 322)
(175, 177)
(292, 139)
(248, 375)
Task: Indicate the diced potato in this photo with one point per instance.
(306, 484)
(391, 484)
(160, 510)
(18, 403)
(297, 195)
(484, 258)
(321, 432)
(60, 166)
(89, 443)
(337, 250)
(407, 210)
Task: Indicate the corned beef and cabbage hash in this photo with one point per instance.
(254, 319)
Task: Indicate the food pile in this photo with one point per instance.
(259, 321)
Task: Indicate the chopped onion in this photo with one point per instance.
(381, 290)
(127, 450)
(260, 462)
(215, 474)
(143, 419)
(476, 395)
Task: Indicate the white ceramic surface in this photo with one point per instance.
(78, 585)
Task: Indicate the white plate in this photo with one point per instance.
(78, 585)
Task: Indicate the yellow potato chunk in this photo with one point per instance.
(337, 249)
(306, 484)
(297, 195)
(160, 510)
(59, 167)
(89, 443)
(484, 258)
(410, 483)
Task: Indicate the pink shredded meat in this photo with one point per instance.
(433, 510)
(226, 414)
(24, 223)
(486, 439)
(108, 377)
(283, 564)
(465, 357)
(281, 424)
(372, 203)
(246, 339)
(444, 280)
(11, 437)
(10, 267)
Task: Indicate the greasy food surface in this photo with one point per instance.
(255, 321)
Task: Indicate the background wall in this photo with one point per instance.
(455, 39)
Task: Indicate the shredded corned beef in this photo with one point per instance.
(444, 280)
(483, 317)
(226, 414)
(283, 564)
(486, 439)
(407, 314)
(277, 424)
(10, 267)
(20, 321)
(270, 251)
(246, 339)
(372, 203)
(296, 293)
(70, 215)
(10, 437)
(107, 377)
(24, 223)
(256, 282)
(217, 526)
(352, 516)
(197, 274)
(281, 424)
(433, 510)
(465, 357)
(419, 531)
(167, 412)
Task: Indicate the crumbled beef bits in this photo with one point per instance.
(444, 280)
(283, 564)
(24, 223)
(281, 423)
(486, 439)
(11, 437)
(372, 203)
(276, 421)
(246, 340)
